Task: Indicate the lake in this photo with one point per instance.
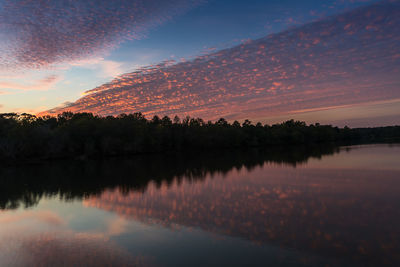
(319, 206)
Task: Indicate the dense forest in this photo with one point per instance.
(69, 135)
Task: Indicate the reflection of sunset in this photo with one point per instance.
(44, 216)
(340, 207)
(320, 209)
(71, 250)
(347, 59)
(199, 133)
(43, 238)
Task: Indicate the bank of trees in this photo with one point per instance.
(24, 136)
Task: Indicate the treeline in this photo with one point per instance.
(25, 136)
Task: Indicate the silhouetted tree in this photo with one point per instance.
(25, 136)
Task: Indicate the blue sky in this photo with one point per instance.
(213, 24)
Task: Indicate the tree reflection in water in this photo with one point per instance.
(340, 213)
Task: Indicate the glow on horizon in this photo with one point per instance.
(40, 70)
(335, 63)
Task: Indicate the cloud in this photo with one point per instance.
(319, 65)
(379, 113)
(29, 110)
(66, 104)
(41, 85)
(36, 34)
(105, 68)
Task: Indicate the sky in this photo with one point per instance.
(52, 52)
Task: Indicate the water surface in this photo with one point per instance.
(324, 206)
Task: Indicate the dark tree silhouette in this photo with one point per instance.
(69, 135)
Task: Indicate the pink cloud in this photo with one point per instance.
(40, 85)
(279, 74)
(41, 33)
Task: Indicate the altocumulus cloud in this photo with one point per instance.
(344, 60)
(38, 33)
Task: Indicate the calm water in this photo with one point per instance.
(294, 207)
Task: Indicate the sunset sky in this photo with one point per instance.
(331, 61)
